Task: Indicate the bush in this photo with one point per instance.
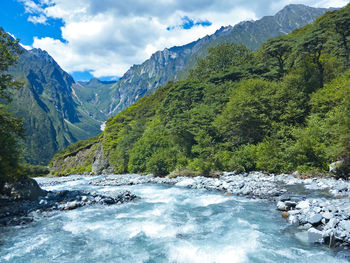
(243, 159)
(34, 170)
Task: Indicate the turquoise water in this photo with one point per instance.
(168, 224)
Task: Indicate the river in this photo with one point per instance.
(167, 224)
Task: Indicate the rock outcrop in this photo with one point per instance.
(100, 162)
(24, 189)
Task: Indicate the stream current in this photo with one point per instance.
(167, 224)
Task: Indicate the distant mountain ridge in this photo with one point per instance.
(173, 63)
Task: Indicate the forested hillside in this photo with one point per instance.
(283, 108)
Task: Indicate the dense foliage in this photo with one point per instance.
(282, 108)
(10, 127)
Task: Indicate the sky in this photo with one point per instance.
(103, 38)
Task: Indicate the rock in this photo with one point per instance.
(281, 206)
(317, 209)
(345, 224)
(84, 198)
(25, 188)
(293, 220)
(71, 205)
(303, 205)
(331, 223)
(305, 227)
(315, 219)
(285, 214)
(186, 182)
(100, 162)
(327, 215)
(315, 236)
(290, 204)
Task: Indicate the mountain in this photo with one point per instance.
(280, 109)
(58, 111)
(174, 63)
(52, 114)
(94, 96)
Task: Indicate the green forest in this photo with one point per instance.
(283, 108)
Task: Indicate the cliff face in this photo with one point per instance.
(89, 159)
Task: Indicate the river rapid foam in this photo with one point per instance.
(167, 224)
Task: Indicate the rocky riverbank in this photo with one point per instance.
(14, 211)
(319, 208)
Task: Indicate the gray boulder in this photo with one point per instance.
(25, 188)
(315, 219)
(345, 224)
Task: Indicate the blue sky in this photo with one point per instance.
(103, 38)
(14, 19)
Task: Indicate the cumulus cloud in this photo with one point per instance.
(106, 37)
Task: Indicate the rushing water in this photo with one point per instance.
(168, 224)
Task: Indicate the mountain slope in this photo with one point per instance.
(243, 112)
(52, 115)
(173, 63)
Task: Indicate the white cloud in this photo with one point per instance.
(41, 19)
(108, 36)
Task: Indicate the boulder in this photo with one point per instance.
(303, 205)
(315, 236)
(281, 206)
(315, 219)
(293, 220)
(345, 224)
(327, 215)
(25, 188)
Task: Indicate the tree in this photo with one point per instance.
(10, 127)
(221, 57)
(314, 46)
(341, 24)
(278, 49)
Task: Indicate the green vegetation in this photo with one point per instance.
(282, 108)
(34, 170)
(10, 127)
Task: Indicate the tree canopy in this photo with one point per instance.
(10, 127)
